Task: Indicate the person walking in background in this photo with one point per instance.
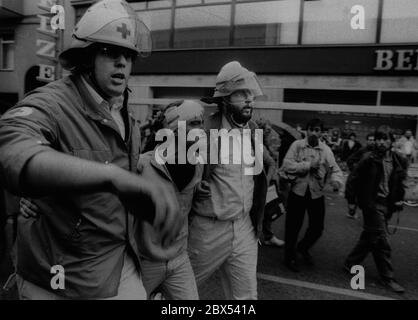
(351, 162)
(309, 161)
(376, 185)
(274, 207)
(350, 146)
(408, 146)
(335, 143)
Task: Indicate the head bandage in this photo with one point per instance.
(188, 110)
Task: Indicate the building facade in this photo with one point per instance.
(351, 62)
(19, 62)
(313, 58)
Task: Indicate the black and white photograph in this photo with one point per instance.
(224, 151)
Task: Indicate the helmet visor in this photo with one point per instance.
(143, 38)
(248, 82)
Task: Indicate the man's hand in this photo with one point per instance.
(336, 186)
(203, 189)
(315, 163)
(28, 209)
(398, 206)
(149, 200)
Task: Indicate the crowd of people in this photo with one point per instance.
(123, 225)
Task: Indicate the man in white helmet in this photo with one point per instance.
(70, 145)
(225, 225)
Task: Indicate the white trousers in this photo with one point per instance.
(231, 247)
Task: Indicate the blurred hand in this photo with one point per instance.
(315, 163)
(399, 206)
(151, 201)
(335, 186)
(351, 206)
(28, 209)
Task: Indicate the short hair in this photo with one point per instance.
(371, 134)
(352, 134)
(315, 123)
(384, 134)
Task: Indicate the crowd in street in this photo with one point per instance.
(92, 197)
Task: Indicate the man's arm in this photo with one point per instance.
(291, 165)
(29, 166)
(55, 172)
(336, 177)
(353, 180)
(355, 158)
(269, 165)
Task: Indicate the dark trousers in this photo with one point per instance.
(296, 208)
(270, 209)
(374, 239)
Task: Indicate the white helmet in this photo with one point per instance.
(112, 22)
(233, 77)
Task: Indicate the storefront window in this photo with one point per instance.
(400, 21)
(187, 2)
(159, 22)
(160, 4)
(216, 1)
(202, 27)
(266, 23)
(7, 50)
(329, 22)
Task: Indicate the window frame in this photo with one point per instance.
(2, 57)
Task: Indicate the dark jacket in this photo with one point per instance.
(355, 157)
(88, 233)
(346, 152)
(363, 182)
(203, 206)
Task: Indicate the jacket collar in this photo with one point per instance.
(93, 104)
(320, 145)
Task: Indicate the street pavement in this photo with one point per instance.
(326, 280)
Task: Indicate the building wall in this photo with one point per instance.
(274, 87)
(25, 44)
(25, 57)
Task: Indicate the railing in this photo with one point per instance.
(278, 105)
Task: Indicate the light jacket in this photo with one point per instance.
(149, 242)
(297, 165)
(203, 205)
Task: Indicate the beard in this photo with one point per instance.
(313, 141)
(240, 116)
(381, 150)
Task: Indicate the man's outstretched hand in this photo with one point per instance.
(151, 201)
